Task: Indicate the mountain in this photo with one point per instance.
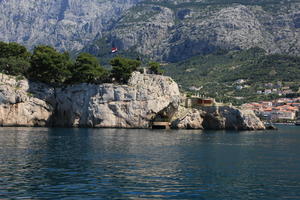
(176, 30)
(64, 24)
(159, 29)
(207, 43)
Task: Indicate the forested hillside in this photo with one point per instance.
(238, 76)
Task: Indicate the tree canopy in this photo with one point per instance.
(123, 68)
(13, 50)
(49, 66)
(87, 69)
(14, 58)
(155, 68)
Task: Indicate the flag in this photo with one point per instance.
(114, 50)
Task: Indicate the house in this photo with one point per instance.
(192, 102)
(268, 91)
(239, 87)
(240, 81)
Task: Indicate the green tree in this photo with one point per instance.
(49, 66)
(87, 69)
(14, 59)
(14, 66)
(123, 68)
(155, 68)
(13, 50)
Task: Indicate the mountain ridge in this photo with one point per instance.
(63, 24)
(176, 31)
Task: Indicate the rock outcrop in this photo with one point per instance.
(177, 30)
(64, 24)
(164, 30)
(122, 106)
(145, 98)
(18, 107)
(219, 118)
(25, 103)
(229, 117)
(188, 119)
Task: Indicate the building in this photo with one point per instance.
(192, 102)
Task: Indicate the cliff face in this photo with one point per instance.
(64, 24)
(123, 106)
(177, 30)
(160, 29)
(217, 118)
(136, 105)
(18, 107)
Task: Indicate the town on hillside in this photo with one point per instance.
(283, 110)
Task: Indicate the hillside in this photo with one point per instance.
(238, 76)
(63, 24)
(158, 29)
(177, 30)
(205, 43)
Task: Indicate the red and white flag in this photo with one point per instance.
(114, 50)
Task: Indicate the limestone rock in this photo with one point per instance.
(229, 117)
(123, 106)
(64, 24)
(217, 118)
(136, 105)
(18, 107)
(156, 30)
(191, 120)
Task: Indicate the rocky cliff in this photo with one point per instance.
(160, 29)
(136, 105)
(217, 118)
(25, 103)
(19, 107)
(177, 30)
(64, 24)
(123, 106)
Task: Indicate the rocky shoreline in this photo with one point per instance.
(136, 105)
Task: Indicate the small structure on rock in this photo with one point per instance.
(195, 102)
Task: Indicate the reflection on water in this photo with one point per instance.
(45, 163)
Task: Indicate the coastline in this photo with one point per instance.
(146, 99)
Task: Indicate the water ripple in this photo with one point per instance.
(44, 163)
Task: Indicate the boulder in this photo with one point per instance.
(231, 118)
(191, 120)
(18, 107)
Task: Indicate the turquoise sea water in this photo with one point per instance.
(41, 163)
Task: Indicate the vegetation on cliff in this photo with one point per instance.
(230, 76)
(45, 64)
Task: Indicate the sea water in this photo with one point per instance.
(42, 163)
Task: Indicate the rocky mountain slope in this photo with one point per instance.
(176, 30)
(159, 29)
(64, 24)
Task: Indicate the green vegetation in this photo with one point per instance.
(228, 76)
(87, 69)
(14, 58)
(102, 49)
(154, 67)
(217, 75)
(47, 65)
(122, 68)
